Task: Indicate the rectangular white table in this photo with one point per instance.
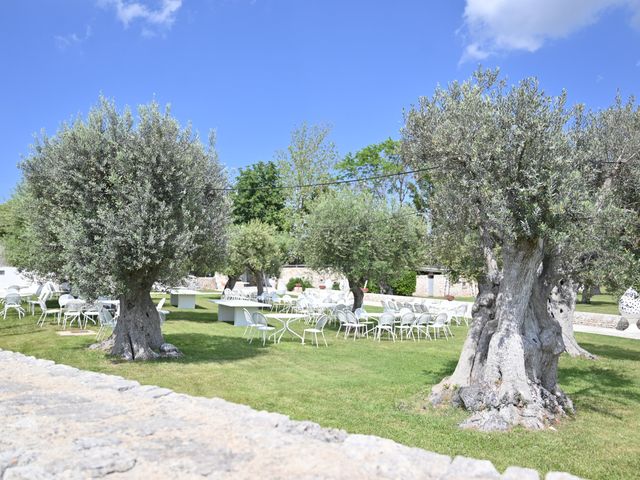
(183, 298)
(232, 310)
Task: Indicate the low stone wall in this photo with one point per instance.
(596, 319)
(61, 422)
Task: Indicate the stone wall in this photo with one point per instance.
(441, 286)
(61, 422)
(596, 319)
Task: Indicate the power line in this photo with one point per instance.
(334, 182)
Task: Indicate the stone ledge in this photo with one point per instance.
(118, 424)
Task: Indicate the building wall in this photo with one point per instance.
(10, 276)
(441, 286)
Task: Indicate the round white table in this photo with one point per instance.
(285, 319)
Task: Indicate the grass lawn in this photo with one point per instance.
(379, 388)
(607, 304)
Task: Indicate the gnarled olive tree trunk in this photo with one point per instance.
(137, 335)
(562, 306)
(231, 282)
(507, 371)
(358, 294)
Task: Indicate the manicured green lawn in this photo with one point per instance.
(379, 388)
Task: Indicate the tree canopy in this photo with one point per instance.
(362, 238)
(117, 203)
(309, 159)
(258, 247)
(258, 195)
(381, 162)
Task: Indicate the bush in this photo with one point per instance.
(302, 281)
(405, 284)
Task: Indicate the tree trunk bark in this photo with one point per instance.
(137, 335)
(231, 282)
(562, 305)
(506, 374)
(259, 276)
(358, 294)
(587, 293)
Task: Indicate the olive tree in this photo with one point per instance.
(505, 178)
(308, 160)
(352, 234)
(118, 203)
(255, 246)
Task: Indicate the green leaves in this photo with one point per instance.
(360, 237)
(117, 203)
(259, 196)
(256, 246)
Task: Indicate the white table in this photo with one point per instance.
(232, 310)
(285, 319)
(183, 298)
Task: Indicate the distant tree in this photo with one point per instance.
(309, 159)
(255, 246)
(258, 195)
(361, 238)
(14, 249)
(117, 203)
(608, 250)
(382, 160)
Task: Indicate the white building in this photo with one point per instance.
(10, 275)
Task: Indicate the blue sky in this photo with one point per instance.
(254, 69)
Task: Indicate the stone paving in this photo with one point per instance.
(58, 422)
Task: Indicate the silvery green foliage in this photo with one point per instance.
(256, 246)
(608, 142)
(514, 163)
(362, 238)
(309, 159)
(118, 202)
(501, 162)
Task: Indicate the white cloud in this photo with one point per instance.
(492, 26)
(162, 14)
(73, 39)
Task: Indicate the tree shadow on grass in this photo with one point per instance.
(603, 383)
(435, 375)
(612, 352)
(200, 316)
(201, 348)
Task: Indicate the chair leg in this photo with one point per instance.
(325, 340)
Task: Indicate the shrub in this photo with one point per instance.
(405, 284)
(302, 281)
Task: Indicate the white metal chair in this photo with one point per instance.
(460, 315)
(72, 312)
(422, 325)
(161, 312)
(439, 325)
(106, 321)
(13, 301)
(385, 324)
(318, 329)
(250, 323)
(406, 325)
(355, 326)
(262, 326)
(363, 317)
(33, 302)
(45, 313)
